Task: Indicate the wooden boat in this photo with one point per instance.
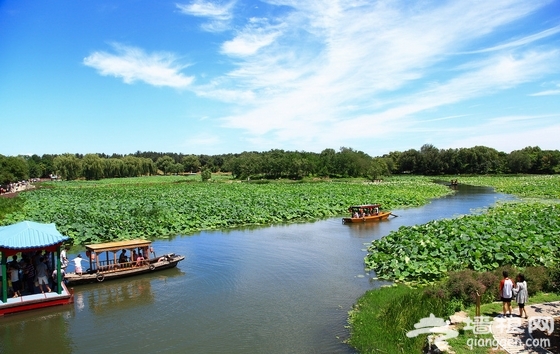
(366, 213)
(113, 266)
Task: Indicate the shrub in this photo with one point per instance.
(538, 279)
(553, 283)
(492, 282)
(463, 286)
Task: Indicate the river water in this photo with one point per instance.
(278, 289)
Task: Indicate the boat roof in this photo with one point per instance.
(365, 206)
(118, 245)
(29, 236)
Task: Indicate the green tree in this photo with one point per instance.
(13, 169)
(430, 160)
(93, 167)
(327, 163)
(191, 163)
(68, 166)
(519, 161)
(165, 164)
(409, 161)
(113, 167)
(378, 168)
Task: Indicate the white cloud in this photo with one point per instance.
(371, 50)
(133, 64)
(544, 137)
(522, 41)
(218, 15)
(248, 42)
(207, 9)
(333, 66)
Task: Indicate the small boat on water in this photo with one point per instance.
(136, 257)
(366, 213)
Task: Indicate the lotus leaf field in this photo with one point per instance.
(547, 186)
(99, 212)
(519, 234)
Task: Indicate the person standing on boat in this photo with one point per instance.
(14, 277)
(63, 259)
(78, 264)
(42, 277)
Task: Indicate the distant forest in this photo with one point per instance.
(274, 164)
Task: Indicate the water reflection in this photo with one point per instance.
(31, 331)
(127, 293)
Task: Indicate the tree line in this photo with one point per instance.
(274, 164)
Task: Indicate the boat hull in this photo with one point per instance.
(378, 217)
(156, 264)
(37, 301)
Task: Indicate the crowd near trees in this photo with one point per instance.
(274, 164)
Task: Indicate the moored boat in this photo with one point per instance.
(29, 237)
(105, 264)
(366, 213)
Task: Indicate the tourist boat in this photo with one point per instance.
(365, 213)
(106, 261)
(26, 237)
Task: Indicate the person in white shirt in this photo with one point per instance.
(506, 293)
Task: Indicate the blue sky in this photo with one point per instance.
(213, 77)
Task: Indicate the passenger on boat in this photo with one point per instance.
(145, 253)
(78, 264)
(134, 256)
(63, 259)
(29, 276)
(356, 215)
(55, 278)
(376, 210)
(139, 260)
(42, 275)
(123, 258)
(14, 277)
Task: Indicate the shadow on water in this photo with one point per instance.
(277, 289)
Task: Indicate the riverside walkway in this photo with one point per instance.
(514, 334)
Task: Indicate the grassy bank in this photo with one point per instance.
(382, 317)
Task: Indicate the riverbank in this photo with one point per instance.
(426, 253)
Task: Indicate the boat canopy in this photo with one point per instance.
(118, 245)
(365, 206)
(27, 236)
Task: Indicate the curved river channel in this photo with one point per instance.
(277, 289)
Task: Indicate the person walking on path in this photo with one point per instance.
(522, 294)
(506, 293)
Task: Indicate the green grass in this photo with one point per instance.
(382, 317)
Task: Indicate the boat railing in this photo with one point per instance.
(111, 265)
